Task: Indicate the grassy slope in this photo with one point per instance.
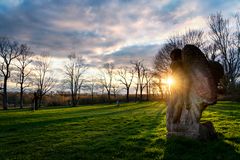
(131, 131)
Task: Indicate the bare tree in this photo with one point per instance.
(194, 37)
(137, 67)
(74, 71)
(230, 55)
(142, 78)
(162, 59)
(80, 87)
(141, 73)
(107, 78)
(45, 81)
(211, 52)
(115, 90)
(157, 82)
(9, 50)
(23, 72)
(237, 32)
(126, 75)
(92, 84)
(148, 78)
(220, 32)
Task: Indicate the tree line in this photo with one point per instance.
(32, 73)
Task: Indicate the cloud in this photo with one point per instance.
(10, 3)
(131, 53)
(116, 30)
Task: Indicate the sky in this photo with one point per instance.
(104, 30)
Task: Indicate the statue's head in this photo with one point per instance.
(176, 54)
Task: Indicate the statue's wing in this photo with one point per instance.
(202, 83)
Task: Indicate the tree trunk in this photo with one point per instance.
(147, 91)
(141, 95)
(109, 96)
(78, 97)
(72, 96)
(127, 94)
(5, 97)
(35, 101)
(136, 93)
(21, 96)
(92, 95)
(73, 100)
(40, 101)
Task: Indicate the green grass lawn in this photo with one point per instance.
(131, 131)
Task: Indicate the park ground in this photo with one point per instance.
(130, 131)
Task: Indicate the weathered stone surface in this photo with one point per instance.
(195, 89)
(207, 131)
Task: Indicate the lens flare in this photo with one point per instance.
(170, 81)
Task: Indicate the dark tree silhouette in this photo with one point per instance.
(141, 71)
(126, 75)
(44, 77)
(137, 67)
(157, 82)
(106, 79)
(92, 85)
(9, 50)
(74, 71)
(23, 72)
(115, 90)
(148, 79)
(228, 45)
(211, 52)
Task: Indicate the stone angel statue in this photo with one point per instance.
(195, 87)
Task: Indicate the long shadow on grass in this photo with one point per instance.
(143, 142)
(30, 125)
(80, 110)
(228, 109)
(181, 148)
(110, 107)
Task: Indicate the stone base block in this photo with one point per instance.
(204, 131)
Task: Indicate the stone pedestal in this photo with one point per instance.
(203, 131)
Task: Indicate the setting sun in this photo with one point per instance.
(169, 81)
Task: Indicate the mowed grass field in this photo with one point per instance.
(130, 131)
